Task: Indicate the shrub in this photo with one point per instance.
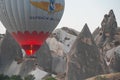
(100, 78)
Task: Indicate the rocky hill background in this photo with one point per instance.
(67, 53)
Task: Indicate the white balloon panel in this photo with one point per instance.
(26, 15)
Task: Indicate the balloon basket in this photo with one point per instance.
(29, 58)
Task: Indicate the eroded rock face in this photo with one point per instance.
(113, 59)
(26, 67)
(107, 39)
(108, 30)
(49, 57)
(9, 52)
(71, 31)
(41, 60)
(117, 35)
(58, 64)
(84, 60)
(60, 42)
(109, 25)
(96, 32)
(117, 60)
(12, 55)
(44, 58)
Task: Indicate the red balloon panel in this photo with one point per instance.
(30, 42)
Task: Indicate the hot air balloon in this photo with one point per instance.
(30, 22)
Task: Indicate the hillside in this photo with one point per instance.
(67, 54)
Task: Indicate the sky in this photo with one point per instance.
(79, 12)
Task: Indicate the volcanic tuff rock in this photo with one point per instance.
(12, 55)
(108, 39)
(109, 25)
(43, 61)
(96, 32)
(49, 58)
(117, 35)
(103, 38)
(1, 39)
(62, 39)
(84, 59)
(44, 58)
(108, 30)
(8, 53)
(113, 59)
(70, 31)
(66, 37)
(116, 62)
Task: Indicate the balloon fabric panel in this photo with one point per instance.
(30, 22)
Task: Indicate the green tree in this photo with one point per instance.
(4, 77)
(16, 77)
(29, 77)
(100, 78)
(1, 76)
(49, 78)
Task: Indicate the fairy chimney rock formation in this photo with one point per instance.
(109, 24)
(84, 59)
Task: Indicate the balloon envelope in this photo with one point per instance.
(30, 22)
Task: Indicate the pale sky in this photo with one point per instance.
(79, 12)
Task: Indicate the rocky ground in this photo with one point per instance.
(111, 76)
